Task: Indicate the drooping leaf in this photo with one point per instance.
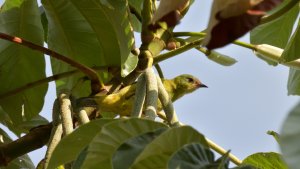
(192, 156)
(276, 32)
(293, 85)
(290, 138)
(21, 65)
(159, 151)
(268, 160)
(112, 135)
(292, 51)
(20, 162)
(129, 150)
(232, 19)
(70, 146)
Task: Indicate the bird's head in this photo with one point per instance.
(186, 84)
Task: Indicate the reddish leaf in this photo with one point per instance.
(232, 19)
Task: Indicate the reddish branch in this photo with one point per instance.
(97, 85)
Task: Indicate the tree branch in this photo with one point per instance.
(97, 84)
(35, 139)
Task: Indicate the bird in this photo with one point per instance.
(121, 102)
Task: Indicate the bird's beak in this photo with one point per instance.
(203, 85)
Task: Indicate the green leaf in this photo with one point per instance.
(290, 138)
(136, 5)
(23, 127)
(80, 159)
(129, 65)
(21, 65)
(293, 85)
(276, 32)
(192, 156)
(70, 146)
(275, 135)
(129, 150)
(268, 160)
(112, 135)
(159, 151)
(20, 162)
(292, 51)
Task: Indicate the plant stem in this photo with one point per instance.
(140, 94)
(66, 113)
(86, 70)
(177, 51)
(222, 151)
(159, 71)
(167, 104)
(151, 94)
(202, 34)
(42, 81)
(280, 12)
(56, 133)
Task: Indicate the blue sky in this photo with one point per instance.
(242, 102)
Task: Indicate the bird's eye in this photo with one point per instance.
(190, 80)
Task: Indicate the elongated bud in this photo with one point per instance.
(273, 54)
(268, 52)
(221, 59)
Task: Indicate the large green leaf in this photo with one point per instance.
(192, 156)
(110, 21)
(21, 65)
(20, 128)
(159, 151)
(112, 135)
(290, 138)
(292, 50)
(71, 146)
(276, 32)
(268, 160)
(293, 84)
(129, 150)
(89, 32)
(20, 162)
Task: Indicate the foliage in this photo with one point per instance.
(88, 39)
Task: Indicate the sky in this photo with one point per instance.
(242, 102)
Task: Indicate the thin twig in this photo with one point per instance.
(86, 70)
(222, 151)
(83, 117)
(159, 71)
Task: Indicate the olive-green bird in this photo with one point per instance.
(120, 103)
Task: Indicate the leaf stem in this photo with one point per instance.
(222, 151)
(42, 81)
(202, 34)
(95, 79)
(177, 51)
(159, 71)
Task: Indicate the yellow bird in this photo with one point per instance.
(120, 103)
